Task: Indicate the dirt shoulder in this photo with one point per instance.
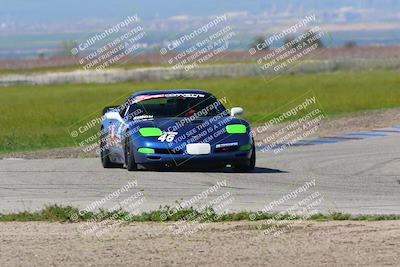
(218, 244)
(354, 122)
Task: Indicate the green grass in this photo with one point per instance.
(38, 117)
(57, 213)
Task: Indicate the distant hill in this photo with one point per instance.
(29, 29)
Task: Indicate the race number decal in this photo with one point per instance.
(167, 137)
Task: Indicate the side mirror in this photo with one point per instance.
(114, 115)
(236, 111)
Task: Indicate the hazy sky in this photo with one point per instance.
(73, 10)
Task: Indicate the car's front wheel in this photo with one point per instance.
(248, 165)
(130, 156)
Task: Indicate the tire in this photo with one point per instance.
(129, 156)
(105, 159)
(249, 165)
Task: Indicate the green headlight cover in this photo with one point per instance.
(150, 132)
(146, 150)
(236, 129)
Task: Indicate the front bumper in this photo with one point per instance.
(182, 160)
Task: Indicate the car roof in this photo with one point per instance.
(180, 91)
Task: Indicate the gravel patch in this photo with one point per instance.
(218, 244)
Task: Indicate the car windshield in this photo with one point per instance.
(176, 105)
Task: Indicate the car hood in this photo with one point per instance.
(204, 129)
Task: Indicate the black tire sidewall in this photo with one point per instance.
(249, 165)
(129, 158)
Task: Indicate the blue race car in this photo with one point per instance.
(177, 128)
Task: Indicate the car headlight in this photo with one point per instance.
(150, 132)
(146, 150)
(236, 129)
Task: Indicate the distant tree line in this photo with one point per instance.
(289, 41)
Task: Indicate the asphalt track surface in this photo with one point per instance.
(357, 176)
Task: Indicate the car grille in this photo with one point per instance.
(167, 151)
(226, 149)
